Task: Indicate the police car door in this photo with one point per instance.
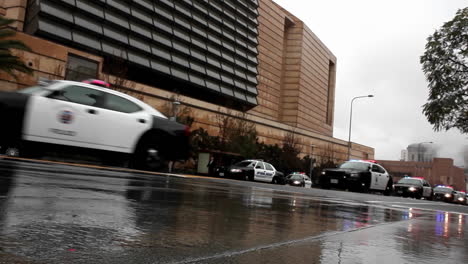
(123, 122)
(269, 172)
(427, 189)
(376, 178)
(66, 117)
(259, 172)
(384, 178)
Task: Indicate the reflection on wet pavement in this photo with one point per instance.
(58, 214)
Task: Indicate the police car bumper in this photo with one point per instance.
(345, 182)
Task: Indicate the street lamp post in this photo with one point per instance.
(175, 107)
(311, 160)
(419, 150)
(350, 122)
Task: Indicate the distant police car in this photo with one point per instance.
(255, 170)
(298, 179)
(444, 193)
(413, 187)
(460, 197)
(88, 116)
(359, 175)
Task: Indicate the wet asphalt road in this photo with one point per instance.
(52, 213)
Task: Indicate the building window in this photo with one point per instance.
(79, 68)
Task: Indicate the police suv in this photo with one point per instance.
(86, 116)
(255, 170)
(415, 187)
(358, 175)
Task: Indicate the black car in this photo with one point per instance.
(413, 187)
(444, 193)
(296, 180)
(358, 175)
(255, 170)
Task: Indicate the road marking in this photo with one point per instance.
(308, 239)
(387, 202)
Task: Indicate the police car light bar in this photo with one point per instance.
(445, 186)
(372, 161)
(97, 82)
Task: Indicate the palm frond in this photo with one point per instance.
(9, 63)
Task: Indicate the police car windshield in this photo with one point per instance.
(295, 177)
(32, 90)
(443, 189)
(245, 164)
(354, 166)
(410, 181)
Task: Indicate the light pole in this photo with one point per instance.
(311, 160)
(419, 150)
(175, 106)
(350, 121)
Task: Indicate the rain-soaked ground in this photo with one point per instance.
(52, 213)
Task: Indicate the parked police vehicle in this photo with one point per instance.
(298, 179)
(255, 170)
(444, 193)
(413, 187)
(358, 175)
(460, 197)
(85, 116)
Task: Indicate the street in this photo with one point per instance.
(56, 213)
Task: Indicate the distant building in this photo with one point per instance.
(404, 155)
(437, 171)
(421, 152)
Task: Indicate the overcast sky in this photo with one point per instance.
(378, 44)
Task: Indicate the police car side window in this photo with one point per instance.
(119, 104)
(268, 166)
(260, 166)
(79, 95)
(381, 170)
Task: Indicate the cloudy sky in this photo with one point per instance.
(378, 45)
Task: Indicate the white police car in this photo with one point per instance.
(87, 116)
(255, 170)
(359, 175)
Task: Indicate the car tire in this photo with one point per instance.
(418, 196)
(12, 152)
(364, 188)
(431, 197)
(275, 180)
(389, 189)
(149, 157)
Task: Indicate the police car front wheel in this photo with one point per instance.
(150, 157)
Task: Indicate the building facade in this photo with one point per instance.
(217, 57)
(421, 152)
(437, 171)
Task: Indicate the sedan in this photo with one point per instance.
(298, 179)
